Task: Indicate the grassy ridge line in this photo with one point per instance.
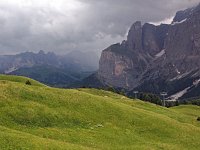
(183, 113)
(19, 79)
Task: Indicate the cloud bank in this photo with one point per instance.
(85, 25)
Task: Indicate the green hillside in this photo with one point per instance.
(19, 79)
(39, 117)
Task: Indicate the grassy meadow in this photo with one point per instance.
(39, 117)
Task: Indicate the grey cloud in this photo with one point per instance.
(94, 26)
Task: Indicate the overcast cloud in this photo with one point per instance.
(86, 25)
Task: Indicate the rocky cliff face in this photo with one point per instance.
(155, 58)
(122, 65)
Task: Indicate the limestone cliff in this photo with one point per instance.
(122, 65)
(156, 58)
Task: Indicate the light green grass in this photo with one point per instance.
(40, 117)
(19, 79)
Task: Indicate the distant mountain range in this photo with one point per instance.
(155, 58)
(49, 68)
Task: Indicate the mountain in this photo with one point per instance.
(48, 75)
(49, 68)
(157, 58)
(40, 117)
(10, 63)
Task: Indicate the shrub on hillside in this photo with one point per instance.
(195, 102)
(198, 119)
(191, 102)
(150, 98)
(171, 103)
(122, 92)
(111, 89)
(28, 82)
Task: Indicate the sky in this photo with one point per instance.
(62, 26)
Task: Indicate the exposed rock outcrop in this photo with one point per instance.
(121, 65)
(156, 58)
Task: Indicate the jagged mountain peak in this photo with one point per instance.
(41, 52)
(154, 58)
(185, 14)
(136, 26)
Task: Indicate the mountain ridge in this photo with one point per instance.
(49, 68)
(155, 58)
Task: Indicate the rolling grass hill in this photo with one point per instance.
(39, 117)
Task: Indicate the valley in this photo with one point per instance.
(99, 75)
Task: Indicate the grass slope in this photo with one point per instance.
(40, 117)
(19, 79)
